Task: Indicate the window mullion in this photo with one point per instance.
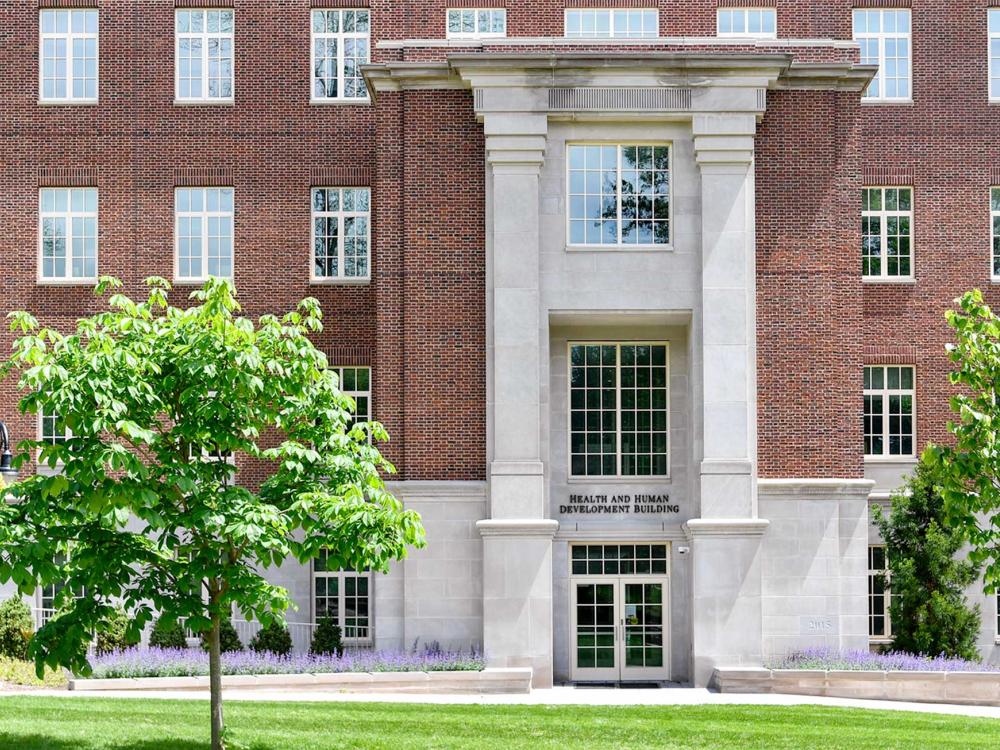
(884, 243)
(886, 414)
(618, 190)
(341, 227)
(203, 255)
(618, 409)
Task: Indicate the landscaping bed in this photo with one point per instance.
(358, 671)
(860, 674)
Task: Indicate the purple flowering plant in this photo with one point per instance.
(860, 660)
(179, 662)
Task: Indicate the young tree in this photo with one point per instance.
(154, 399)
(928, 609)
(970, 468)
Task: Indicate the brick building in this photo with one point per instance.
(649, 295)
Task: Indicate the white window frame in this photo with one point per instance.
(477, 19)
(355, 392)
(621, 246)
(69, 36)
(995, 233)
(993, 40)
(204, 214)
(341, 215)
(67, 216)
(884, 214)
(341, 577)
(618, 477)
(747, 14)
(340, 36)
(881, 37)
(204, 36)
(885, 392)
(886, 575)
(612, 32)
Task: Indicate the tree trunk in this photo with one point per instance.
(215, 682)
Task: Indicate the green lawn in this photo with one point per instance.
(33, 723)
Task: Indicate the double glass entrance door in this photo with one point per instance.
(619, 628)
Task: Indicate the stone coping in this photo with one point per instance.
(965, 688)
(498, 680)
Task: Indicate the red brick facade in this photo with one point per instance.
(420, 322)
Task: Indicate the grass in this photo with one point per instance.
(14, 672)
(37, 723)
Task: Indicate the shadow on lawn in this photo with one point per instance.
(16, 741)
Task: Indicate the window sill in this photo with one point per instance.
(665, 479)
(888, 280)
(204, 102)
(891, 459)
(619, 248)
(880, 641)
(340, 102)
(68, 102)
(67, 282)
(198, 282)
(886, 102)
(341, 282)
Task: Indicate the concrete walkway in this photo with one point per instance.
(679, 696)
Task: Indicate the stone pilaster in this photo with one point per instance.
(517, 538)
(726, 568)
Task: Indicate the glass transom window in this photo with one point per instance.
(340, 42)
(477, 23)
(68, 234)
(889, 417)
(618, 410)
(619, 195)
(204, 220)
(344, 597)
(68, 55)
(995, 229)
(341, 233)
(612, 23)
(994, 52)
(887, 232)
(884, 37)
(747, 22)
(619, 559)
(204, 55)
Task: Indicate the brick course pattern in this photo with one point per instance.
(421, 320)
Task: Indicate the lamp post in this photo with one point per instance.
(7, 471)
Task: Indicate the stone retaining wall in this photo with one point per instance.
(511, 680)
(968, 688)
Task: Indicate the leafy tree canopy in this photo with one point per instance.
(139, 507)
(970, 467)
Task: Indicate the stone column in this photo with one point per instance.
(725, 540)
(517, 537)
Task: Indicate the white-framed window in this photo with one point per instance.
(747, 22)
(476, 23)
(341, 233)
(355, 382)
(51, 429)
(618, 415)
(995, 230)
(204, 54)
(884, 37)
(619, 194)
(67, 234)
(879, 593)
(887, 233)
(204, 233)
(67, 53)
(47, 596)
(345, 597)
(993, 23)
(612, 23)
(340, 46)
(889, 417)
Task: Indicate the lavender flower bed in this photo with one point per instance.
(171, 662)
(828, 658)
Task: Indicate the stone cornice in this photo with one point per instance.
(716, 527)
(533, 70)
(794, 488)
(531, 527)
(662, 41)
